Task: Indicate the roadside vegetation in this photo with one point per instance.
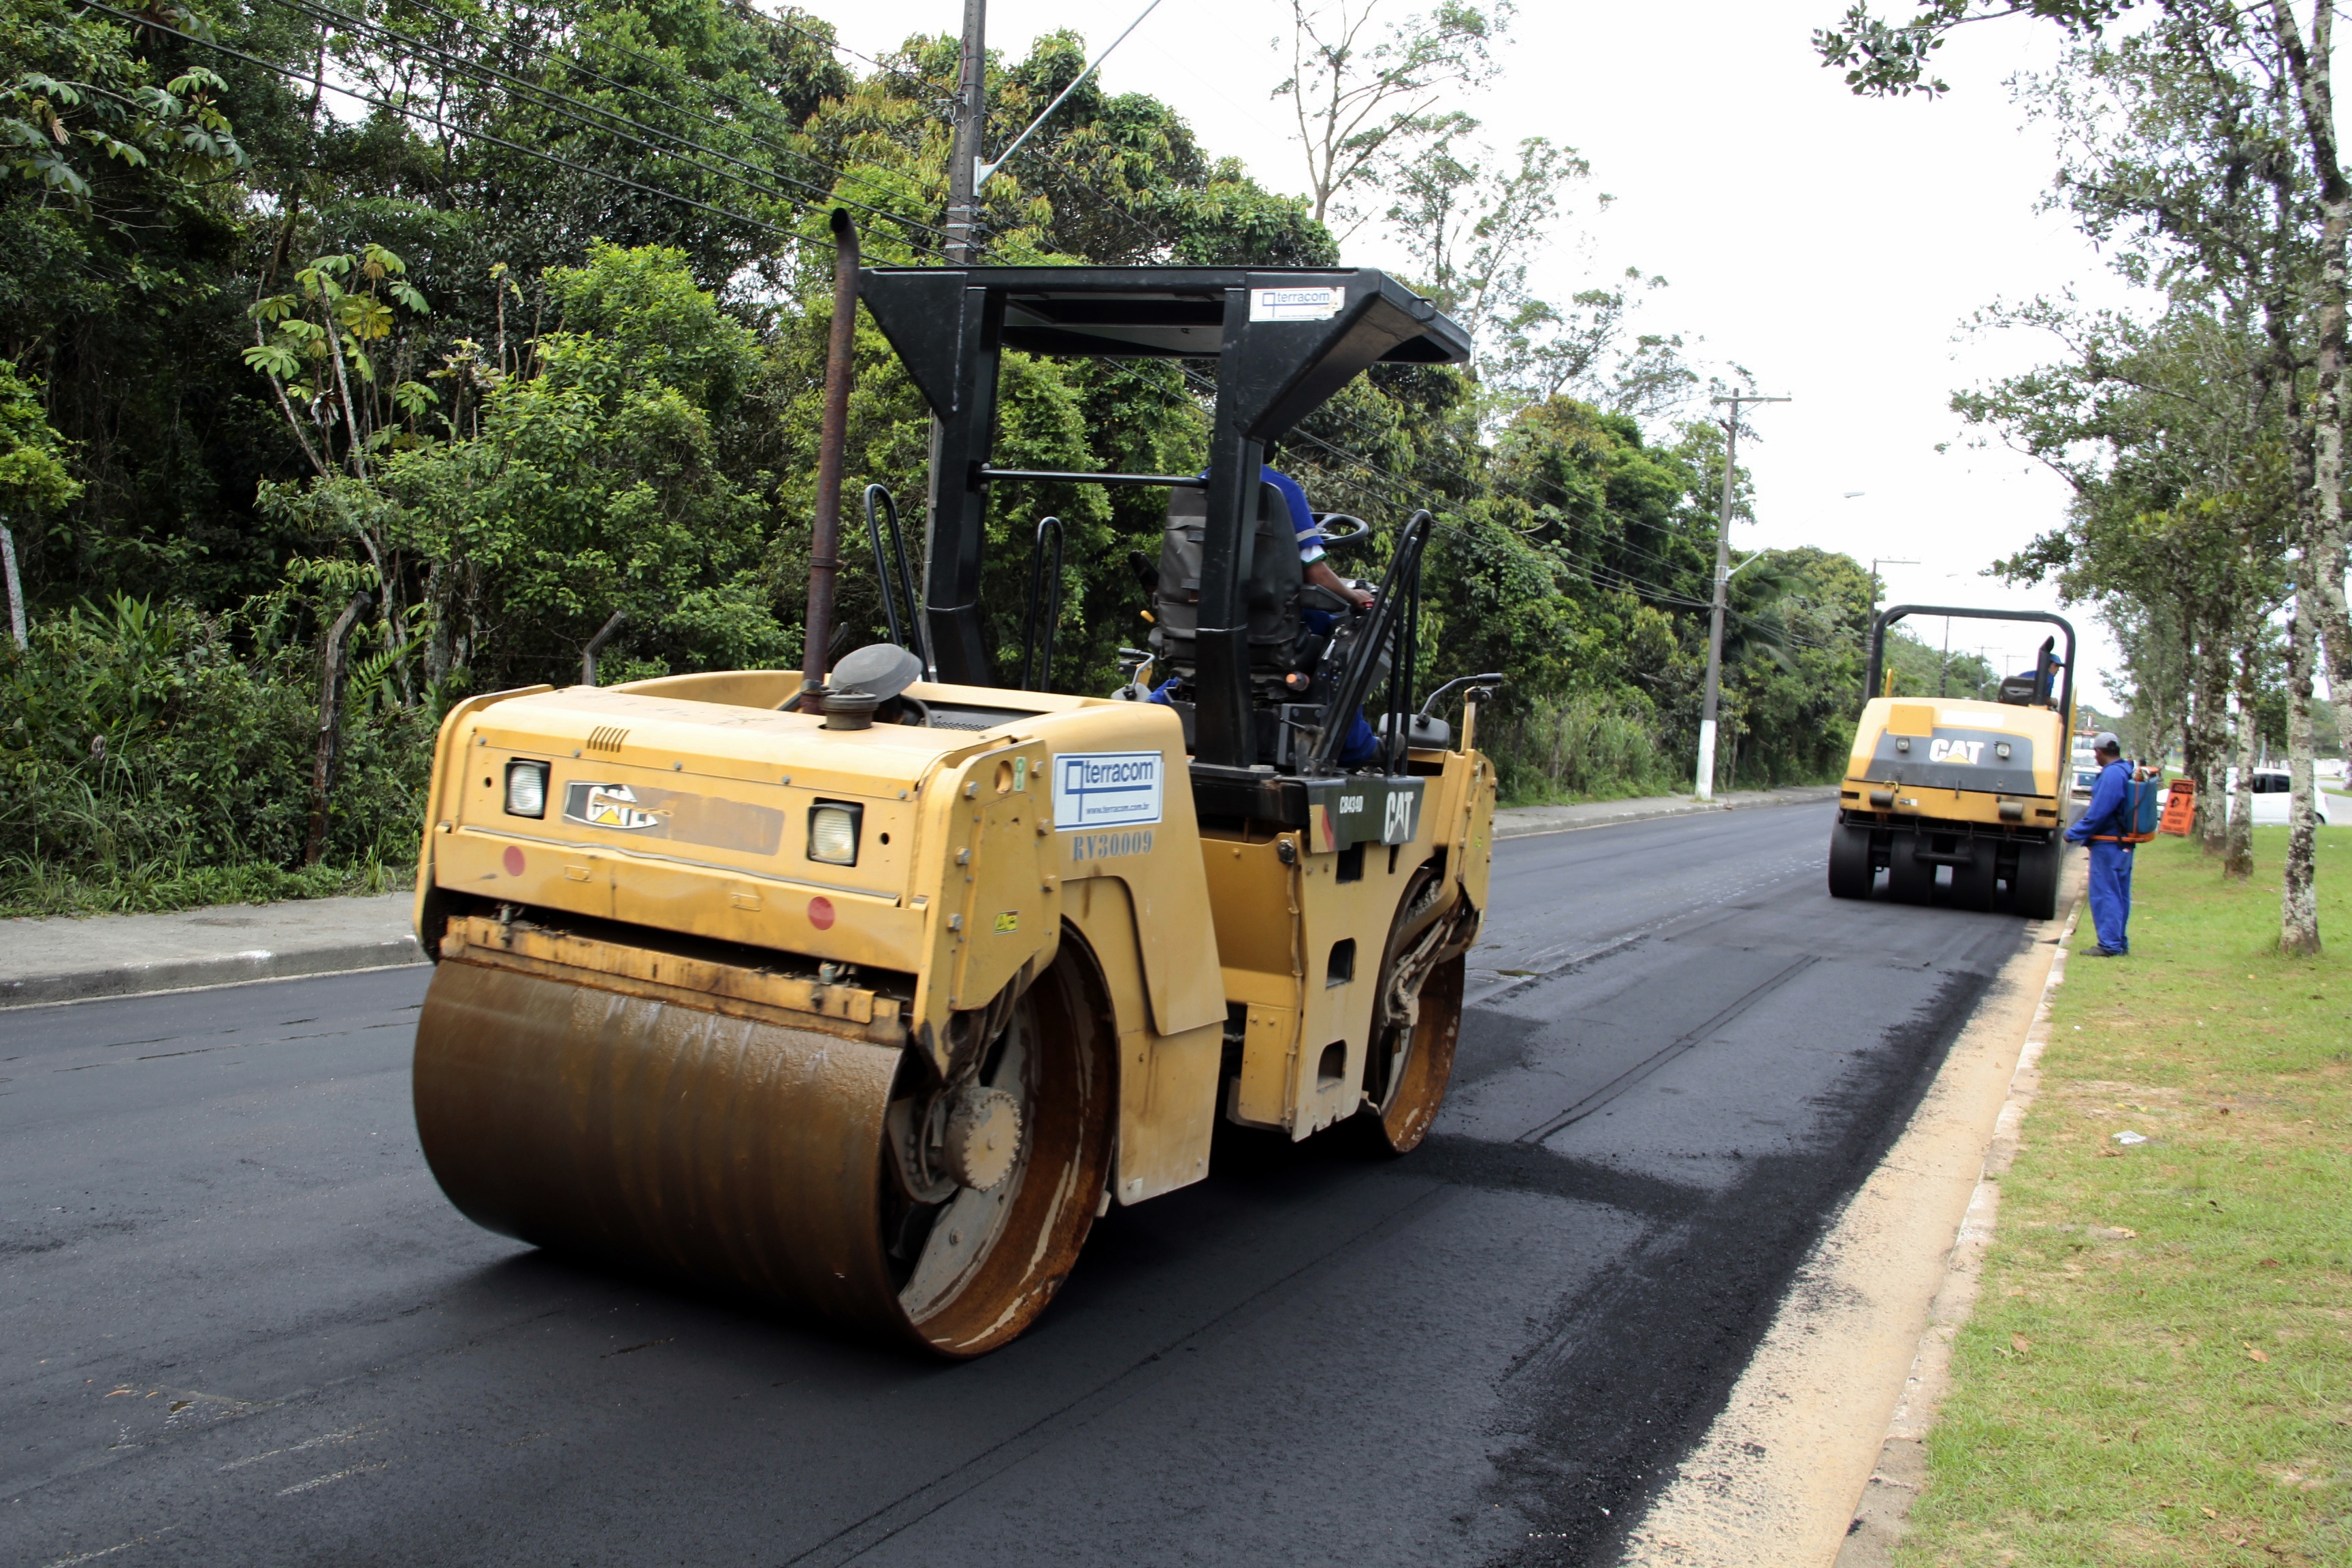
(269, 343)
(2159, 1367)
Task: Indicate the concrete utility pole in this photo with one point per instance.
(972, 119)
(1706, 779)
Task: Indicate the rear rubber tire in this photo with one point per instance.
(1974, 884)
(1909, 879)
(1851, 876)
(2034, 893)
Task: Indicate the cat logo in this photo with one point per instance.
(606, 805)
(1398, 829)
(1955, 751)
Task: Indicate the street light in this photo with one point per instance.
(1876, 562)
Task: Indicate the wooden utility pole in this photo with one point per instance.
(1705, 781)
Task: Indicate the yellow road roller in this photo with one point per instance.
(864, 991)
(1977, 787)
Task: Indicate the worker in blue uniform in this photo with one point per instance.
(2102, 826)
(1362, 744)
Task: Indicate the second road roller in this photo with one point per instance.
(866, 990)
(1975, 790)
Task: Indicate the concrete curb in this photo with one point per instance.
(1776, 1480)
(1524, 821)
(196, 973)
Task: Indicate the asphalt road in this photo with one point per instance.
(239, 1324)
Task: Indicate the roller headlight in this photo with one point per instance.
(526, 789)
(2001, 749)
(833, 832)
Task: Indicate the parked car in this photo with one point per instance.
(2274, 793)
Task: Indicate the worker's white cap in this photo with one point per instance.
(2104, 741)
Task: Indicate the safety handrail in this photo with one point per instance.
(1036, 585)
(921, 647)
(1382, 624)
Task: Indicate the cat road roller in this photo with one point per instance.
(864, 991)
(1979, 787)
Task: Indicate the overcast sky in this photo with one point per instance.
(1832, 245)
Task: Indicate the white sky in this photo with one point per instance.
(1832, 245)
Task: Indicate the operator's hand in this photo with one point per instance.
(1322, 576)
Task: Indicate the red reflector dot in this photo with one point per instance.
(513, 861)
(821, 914)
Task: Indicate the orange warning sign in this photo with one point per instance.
(2179, 808)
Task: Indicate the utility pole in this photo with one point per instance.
(1876, 562)
(1944, 665)
(971, 117)
(1705, 780)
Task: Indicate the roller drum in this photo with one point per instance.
(755, 1157)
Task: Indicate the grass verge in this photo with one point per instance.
(29, 887)
(2159, 1368)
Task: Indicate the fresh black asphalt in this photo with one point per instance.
(238, 1324)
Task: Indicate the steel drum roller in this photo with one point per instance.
(753, 1156)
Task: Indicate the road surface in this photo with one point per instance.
(240, 1324)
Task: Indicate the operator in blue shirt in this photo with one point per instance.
(1309, 535)
(1362, 742)
(2103, 824)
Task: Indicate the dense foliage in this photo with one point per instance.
(508, 314)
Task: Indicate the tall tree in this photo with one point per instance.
(2204, 141)
(1367, 98)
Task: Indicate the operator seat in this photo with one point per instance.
(1270, 596)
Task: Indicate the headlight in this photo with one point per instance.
(526, 789)
(833, 832)
(2001, 749)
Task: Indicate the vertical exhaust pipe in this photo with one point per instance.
(833, 433)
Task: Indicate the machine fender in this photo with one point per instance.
(997, 924)
(1176, 946)
(1167, 1079)
(1160, 868)
(447, 751)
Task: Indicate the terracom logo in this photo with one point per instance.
(1106, 789)
(1955, 751)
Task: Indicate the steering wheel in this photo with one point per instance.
(1345, 536)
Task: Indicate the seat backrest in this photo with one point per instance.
(1270, 597)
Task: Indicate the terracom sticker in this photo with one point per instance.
(1317, 304)
(1106, 789)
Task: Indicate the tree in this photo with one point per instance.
(2192, 145)
(1366, 104)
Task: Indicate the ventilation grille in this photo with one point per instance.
(607, 738)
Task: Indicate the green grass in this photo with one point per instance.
(29, 887)
(2159, 1367)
